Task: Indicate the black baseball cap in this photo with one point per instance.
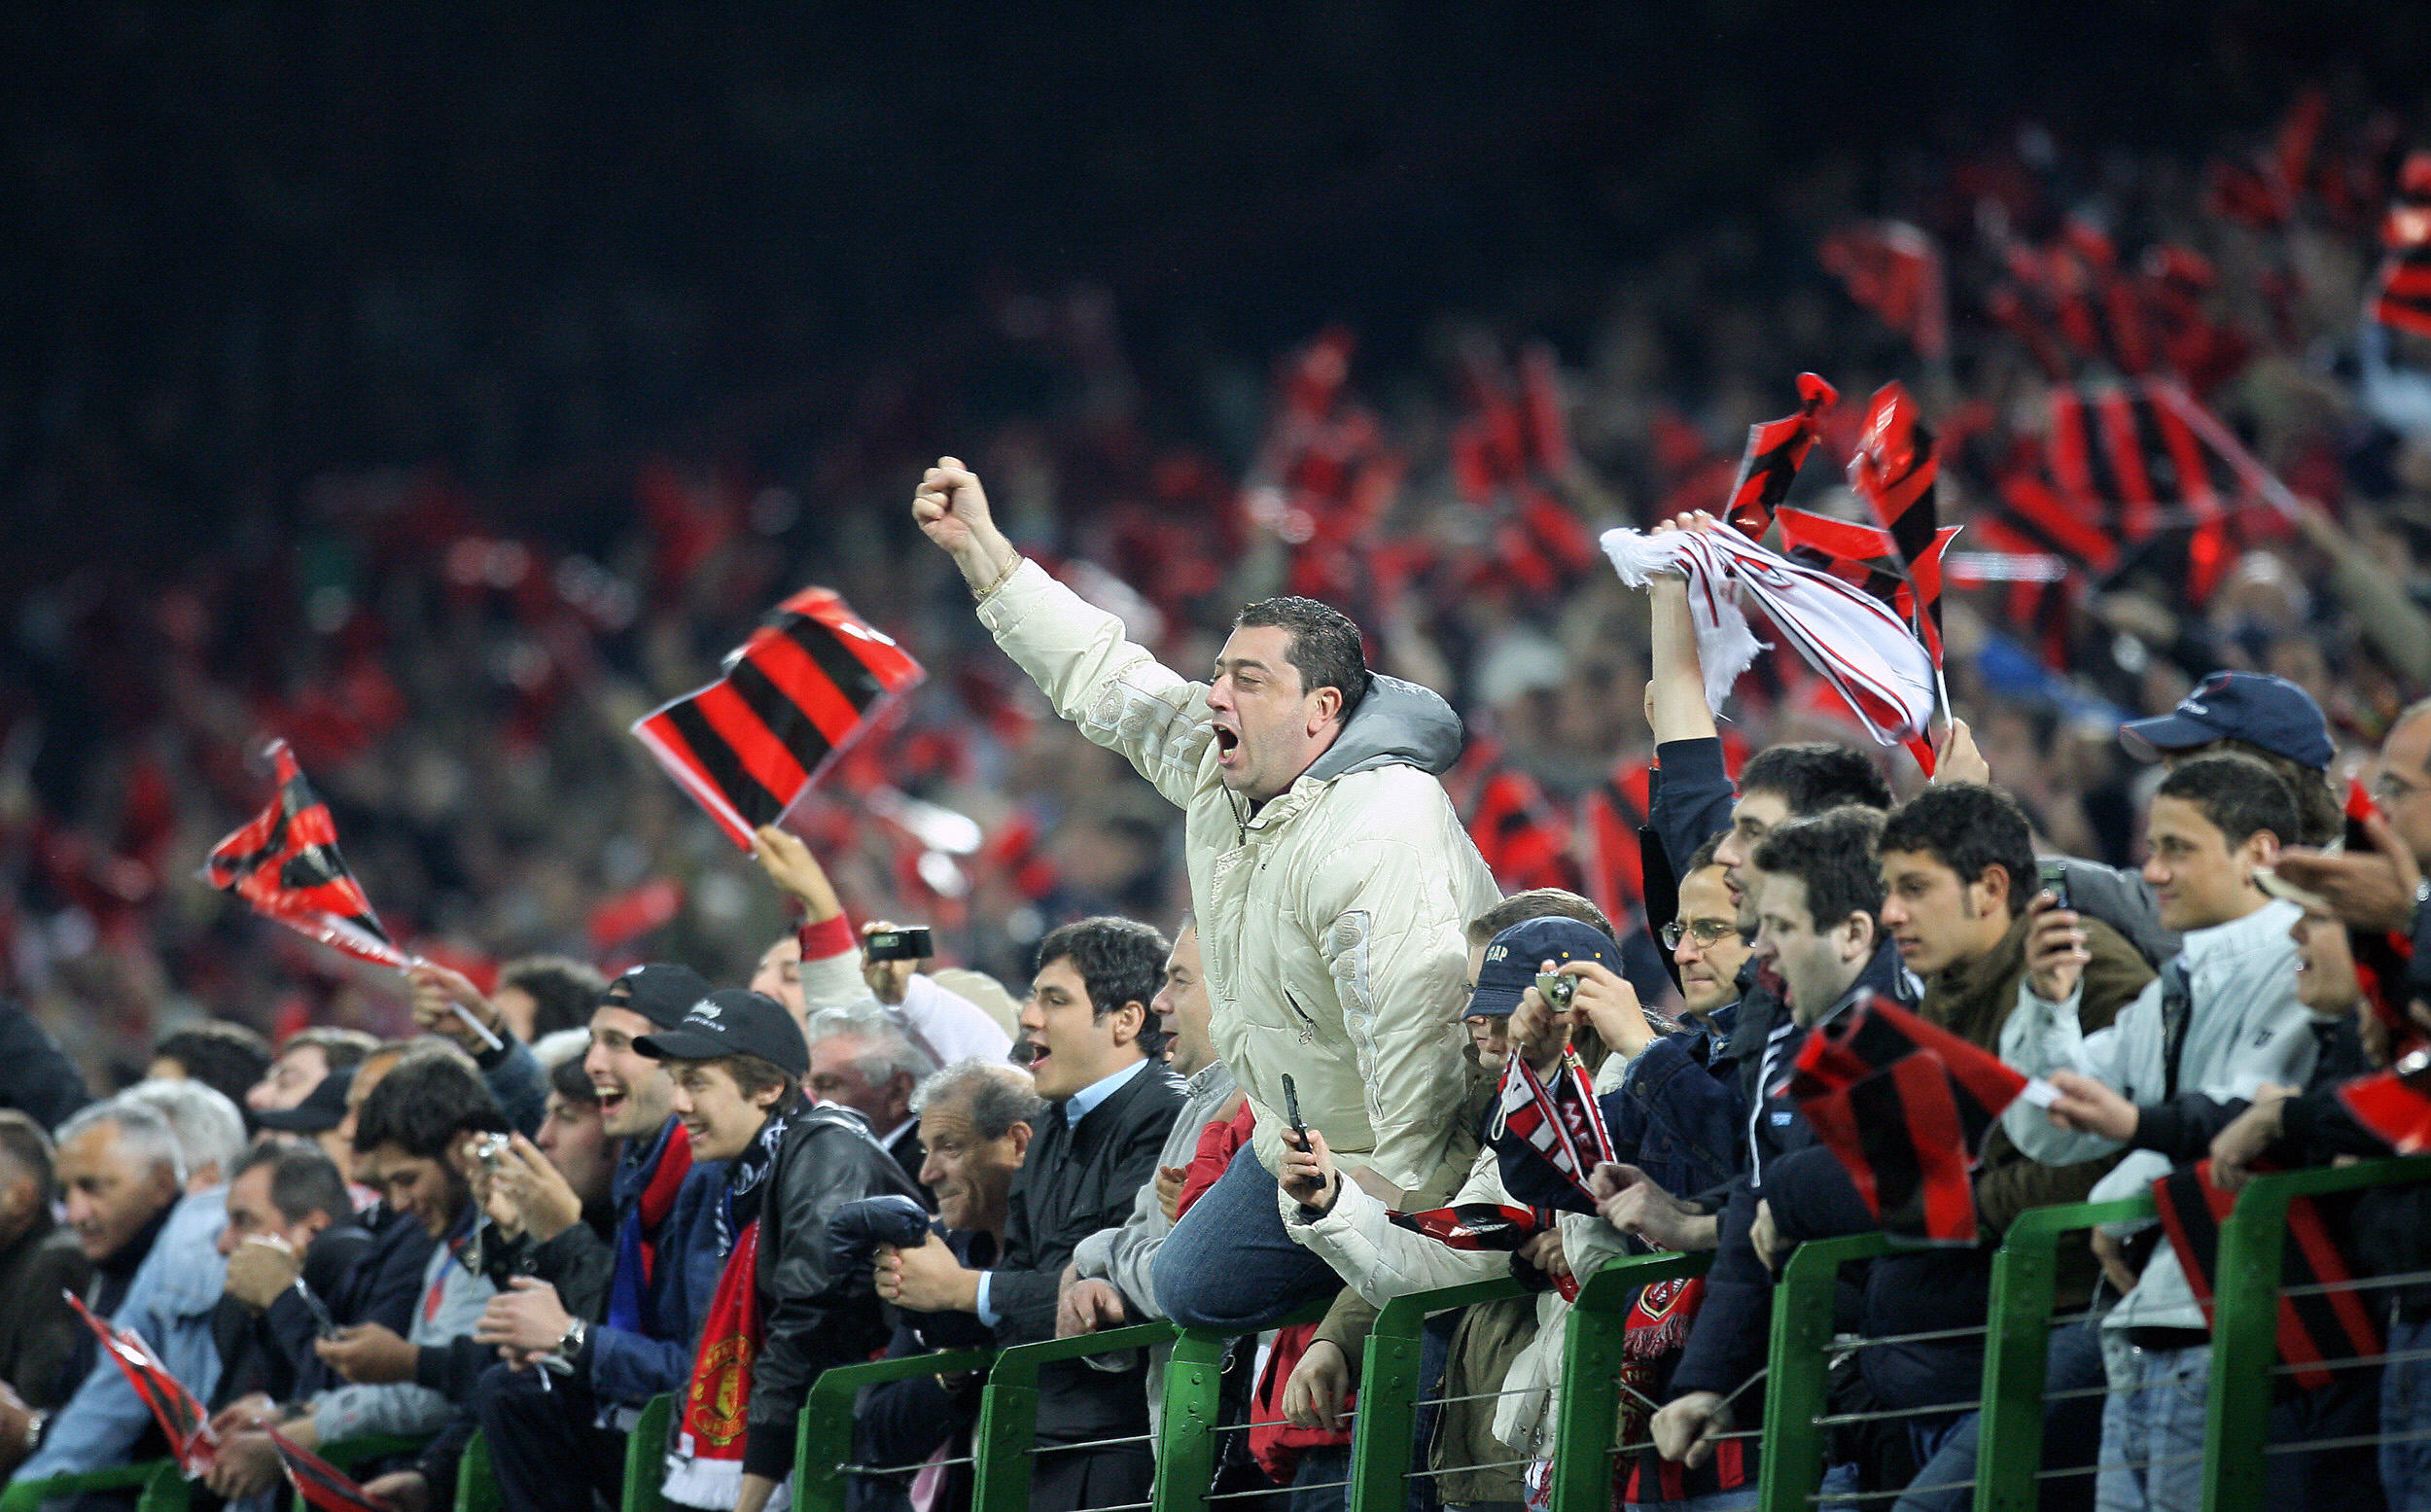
(2254, 706)
(1513, 956)
(661, 994)
(323, 1109)
(733, 1021)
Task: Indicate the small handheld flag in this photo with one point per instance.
(285, 864)
(320, 1483)
(794, 697)
(1776, 450)
(182, 1418)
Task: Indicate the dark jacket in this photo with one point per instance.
(1072, 1183)
(634, 1366)
(383, 1287)
(36, 1077)
(904, 1421)
(813, 1320)
(264, 1350)
(39, 1331)
(1728, 1342)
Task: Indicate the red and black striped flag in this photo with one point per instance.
(320, 1483)
(794, 697)
(183, 1421)
(2322, 1324)
(285, 864)
(1558, 1118)
(1895, 270)
(2401, 294)
(2153, 467)
(1478, 1225)
(2395, 1103)
(1905, 1106)
(1776, 450)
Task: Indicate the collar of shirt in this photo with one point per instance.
(1078, 1106)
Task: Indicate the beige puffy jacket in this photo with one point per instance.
(1331, 921)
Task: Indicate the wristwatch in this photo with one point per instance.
(570, 1342)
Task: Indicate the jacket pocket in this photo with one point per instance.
(1308, 1025)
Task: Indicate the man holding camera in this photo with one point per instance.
(1328, 872)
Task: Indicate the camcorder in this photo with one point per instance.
(915, 943)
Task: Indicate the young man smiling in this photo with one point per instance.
(780, 1315)
(1093, 1051)
(1328, 872)
(2222, 1019)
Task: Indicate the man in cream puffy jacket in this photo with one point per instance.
(1329, 874)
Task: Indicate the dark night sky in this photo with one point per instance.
(253, 240)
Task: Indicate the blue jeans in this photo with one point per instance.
(1312, 1488)
(1229, 1265)
(2070, 1430)
(2406, 1415)
(2156, 1426)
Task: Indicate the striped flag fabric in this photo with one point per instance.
(182, 1418)
(1776, 450)
(2322, 1324)
(285, 863)
(1894, 269)
(794, 697)
(1558, 1118)
(1477, 1225)
(2401, 292)
(1904, 1106)
(320, 1483)
(2396, 1104)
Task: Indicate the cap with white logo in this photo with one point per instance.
(733, 1021)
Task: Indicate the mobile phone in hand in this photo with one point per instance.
(2055, 879)
(1291, 1109)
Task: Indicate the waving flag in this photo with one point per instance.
(1894, 269)
(2321, 1321)
(2401, 295)
(1905, 1106)
(320, 1483)
(1776, 450)
(181, 1418)
(795, 695)
(2396, 1104)
(1557, 1119)
(285, 864)
(1863, 650)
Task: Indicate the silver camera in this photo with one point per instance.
(490, 1150)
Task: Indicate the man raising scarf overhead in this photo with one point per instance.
(781, 1314)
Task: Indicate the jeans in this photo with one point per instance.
(1313, 1479)
(2406, 1415)
(1228, 1264)
(2072, 1429)
(2152, 1432)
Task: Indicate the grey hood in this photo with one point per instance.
(1398, 721)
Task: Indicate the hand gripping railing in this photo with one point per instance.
(2009, 1444)
(1591, 1354)
(823, 1444)
(2244, 1335)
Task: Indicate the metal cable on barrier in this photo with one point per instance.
(901, 1469)
(2363, 1284)
(1093, 1443)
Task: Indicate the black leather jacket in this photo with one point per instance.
(813, 1318)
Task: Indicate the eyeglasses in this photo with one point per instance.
(1706, 933)
(2389, 790)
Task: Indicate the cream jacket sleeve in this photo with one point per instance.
(1116, 693)
(1380, 1260)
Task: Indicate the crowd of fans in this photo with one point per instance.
(338, 1205)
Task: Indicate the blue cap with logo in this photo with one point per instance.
(2258, 708)
(733, 1021)
(1514, 957)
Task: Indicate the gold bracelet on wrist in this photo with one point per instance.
(1012, 566)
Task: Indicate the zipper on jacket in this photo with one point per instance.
(1308, 1025)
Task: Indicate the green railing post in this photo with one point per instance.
(2017, 1348)
(823, 1435)
(167, 1490)
(476, 1485)
(1796, 1389)
(1382, 1435)
(2245, 1329)
(27, 1496)
(646, 1455)
(1186, 1438)
(1008, 1410)
(1591, 1354)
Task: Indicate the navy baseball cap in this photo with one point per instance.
(2260, 710)
(1514, 956)
(733, 1021)
(661, 994)
(323, 1109)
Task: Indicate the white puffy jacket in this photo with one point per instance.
(1331, 920)
(2245, 1028)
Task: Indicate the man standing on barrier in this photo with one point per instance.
(1328, 872)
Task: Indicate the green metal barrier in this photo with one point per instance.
(1591, 1351)
(1796, 1389)
(1383, 1434)
(2244, 1332)
(163, 1489)
(646, 1455)
(2017, 1349)
(1186, 1441)
(476, 1485)
(1008, 1410)
(823, 1442)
